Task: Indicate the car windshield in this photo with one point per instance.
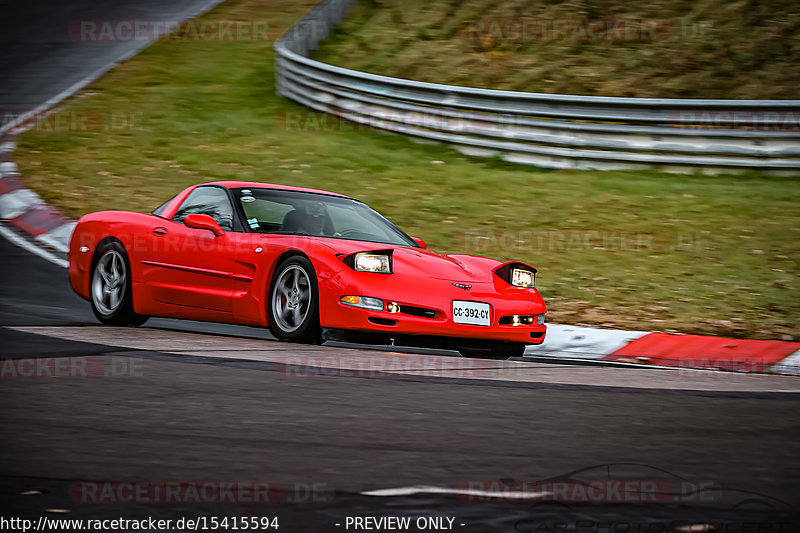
(319, 215)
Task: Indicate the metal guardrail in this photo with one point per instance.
(547, 130)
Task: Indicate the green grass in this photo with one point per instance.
(719, 254)
(682, 49)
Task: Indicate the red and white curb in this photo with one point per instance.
(51, 230)
(665, 350)
(28, 213)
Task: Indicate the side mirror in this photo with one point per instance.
(198, 221)
(420, 242)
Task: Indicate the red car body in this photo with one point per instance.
(192, 273)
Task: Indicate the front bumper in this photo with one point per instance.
(431, 295)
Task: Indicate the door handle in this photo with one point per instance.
(160, 231)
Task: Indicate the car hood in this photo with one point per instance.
(422, 262)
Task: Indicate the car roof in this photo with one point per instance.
(259, 185)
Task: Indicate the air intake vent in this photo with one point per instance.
(417, 311)
(382, 321)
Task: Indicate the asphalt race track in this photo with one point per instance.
(228, 408)
(326, 434)
(41, 52)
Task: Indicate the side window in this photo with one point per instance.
(211, 201)
(263, 214)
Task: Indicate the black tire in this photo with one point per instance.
(110, 287)
(294, 301)
(500, 352)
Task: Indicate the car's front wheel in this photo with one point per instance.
(112, 301)
(293, 302)
(499, 352)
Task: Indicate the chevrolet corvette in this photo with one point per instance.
(310, 265)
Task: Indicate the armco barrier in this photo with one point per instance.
(547, 130)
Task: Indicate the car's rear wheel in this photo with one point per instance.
(499, 352)
(112, 301)
(293, 302)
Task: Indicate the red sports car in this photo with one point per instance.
(311, 265)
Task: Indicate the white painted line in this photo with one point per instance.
(15, 203)
(58, 238)
(8, 167)
(582, 342)
(8, 146)
(483, 494)
(789, 366)
(23, 243)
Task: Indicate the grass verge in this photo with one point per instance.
(637, 250)
(654, 48)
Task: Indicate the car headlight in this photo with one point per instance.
(522, 278)
(372, 262)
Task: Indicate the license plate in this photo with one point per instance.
(474, 313)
